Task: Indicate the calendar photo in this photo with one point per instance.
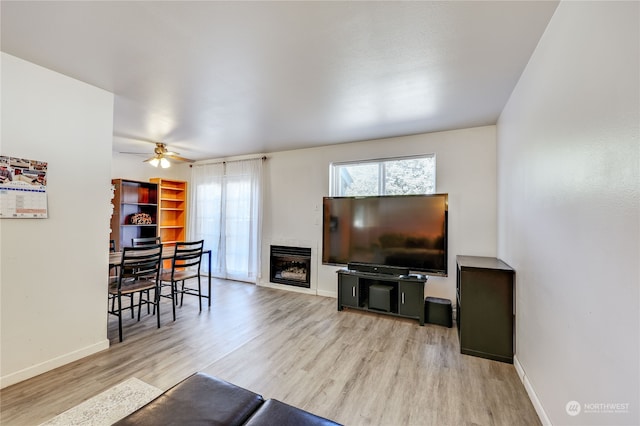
(23, 188)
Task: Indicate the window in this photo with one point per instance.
(389, 176)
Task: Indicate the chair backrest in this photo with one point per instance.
(188, 254)
(141, 263)
(137, 242)
(112, 245)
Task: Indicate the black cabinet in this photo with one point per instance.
(406, 294)
(349, 291)
(411, 300)
(485, 316)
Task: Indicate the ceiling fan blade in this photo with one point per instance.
(161, 151)
(133, 153)
(178, 158)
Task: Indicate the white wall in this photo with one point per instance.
(53, 294)
(568, 191)
(466, 170)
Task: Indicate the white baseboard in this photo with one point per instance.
(323, 293)
(49, 365)
(537, 405)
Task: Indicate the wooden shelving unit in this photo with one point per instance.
(133, 197)
(173, 209)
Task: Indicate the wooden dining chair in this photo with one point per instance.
(185, 265)
(139, 274)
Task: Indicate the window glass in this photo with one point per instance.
(358, 179)
(393, 176)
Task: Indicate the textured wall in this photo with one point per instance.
(568, 213)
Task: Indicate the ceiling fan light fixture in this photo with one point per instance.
(162, 155)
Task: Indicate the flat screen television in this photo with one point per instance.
(407, 231)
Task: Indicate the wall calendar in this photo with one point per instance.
(23, 188)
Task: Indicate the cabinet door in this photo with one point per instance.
(486, 329)
(411, 299)
(349, 290)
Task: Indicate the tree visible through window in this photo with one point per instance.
(393, 176)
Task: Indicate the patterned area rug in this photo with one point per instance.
(109, 406)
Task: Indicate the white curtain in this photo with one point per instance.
(225, 210)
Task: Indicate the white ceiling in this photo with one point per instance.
(215, 79)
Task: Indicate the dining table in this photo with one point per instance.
(168, 251)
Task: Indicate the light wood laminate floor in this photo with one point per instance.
(354, 367)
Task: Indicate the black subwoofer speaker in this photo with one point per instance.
(438, 311)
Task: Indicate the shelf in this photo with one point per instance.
(173, 202)
(171, 185)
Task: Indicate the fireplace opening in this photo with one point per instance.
(290, 265)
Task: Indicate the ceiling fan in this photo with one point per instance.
(162, 156)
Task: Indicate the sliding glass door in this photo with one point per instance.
(225, 210)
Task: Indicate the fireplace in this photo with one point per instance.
(291, 266)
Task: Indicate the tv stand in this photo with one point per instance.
(406, 292)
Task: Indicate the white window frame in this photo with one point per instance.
(334, 168)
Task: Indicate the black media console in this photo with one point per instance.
(389, 293)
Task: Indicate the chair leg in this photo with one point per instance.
(120, 316)
(157, 303)
(140, 303)
(182, 294)
(199, 294)
(154, 305)
(173, 302)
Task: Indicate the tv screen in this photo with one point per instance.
(408, 231)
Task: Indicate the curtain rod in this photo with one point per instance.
(263, 158)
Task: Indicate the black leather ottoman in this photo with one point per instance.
(380, 297)
(198, 400)
(274, 412)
